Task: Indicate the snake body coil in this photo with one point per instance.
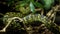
(41, 18)
(35, 17)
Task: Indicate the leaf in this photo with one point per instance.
(32, 8)
(37, 4)
(23, 3)
(17, 7)
(48, 4)
(20, 4)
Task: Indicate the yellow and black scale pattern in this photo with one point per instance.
(37, 17)
(34, 17)
(41, 18)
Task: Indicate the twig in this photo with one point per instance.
(39, 9)
(52, 12)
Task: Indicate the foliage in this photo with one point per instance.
(27, 12)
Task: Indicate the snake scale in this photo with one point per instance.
(37, 17)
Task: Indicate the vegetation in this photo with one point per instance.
(29, 16)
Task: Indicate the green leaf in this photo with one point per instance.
(37, 4)
(23, 3)
(20, 4)
(48, 4)
(32, 8)
(17, 7)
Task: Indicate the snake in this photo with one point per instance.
(37, 17)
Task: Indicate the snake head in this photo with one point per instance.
(17, 19)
